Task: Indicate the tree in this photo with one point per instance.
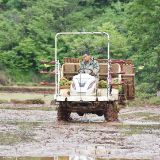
(28, 29)
(144, 33)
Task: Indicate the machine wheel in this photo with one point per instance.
(66, 116)
(110, 112)
(80, 113)
(99, 113)
(60, 113)
(63, 114)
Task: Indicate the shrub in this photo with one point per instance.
(136, 102)
(34, 101)
(146, 88)
(154, 101)
(3, 101)
(3, 80)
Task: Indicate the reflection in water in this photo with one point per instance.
(95, 150)
(62, 158)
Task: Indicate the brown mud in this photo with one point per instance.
(37, 133)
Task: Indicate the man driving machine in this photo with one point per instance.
(90, 66)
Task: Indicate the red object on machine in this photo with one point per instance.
(53, 62)
(43, 83)
(46, 72)
(117, 61)
(121, 83)
(121, 72)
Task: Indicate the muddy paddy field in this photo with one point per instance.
(31, 131)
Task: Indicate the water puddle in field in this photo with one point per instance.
(27, 134)
(140, 123)
(63, 158)
(140, 118)
(87, 120)
(98, 150)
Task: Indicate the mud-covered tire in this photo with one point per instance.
(66, 116)
(99, 113)
(62, 113)
(80, 113)
(110, 112)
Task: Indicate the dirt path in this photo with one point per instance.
(37, 133)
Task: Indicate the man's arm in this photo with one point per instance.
(95, 67)
(81, 67)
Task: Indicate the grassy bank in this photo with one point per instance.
(153, 100)
(8, 97)
(35, 89)
(45, 93)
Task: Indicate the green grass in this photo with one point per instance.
(153, 101)
(27, 84)
(154, 118)
(3, 101)
(35, 89)
(136, 102)
(133, 115)
(139, 129)
(23, 134)
(142, 102)
(6, 97)
(43, 108)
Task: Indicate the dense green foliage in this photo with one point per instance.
(143, 26)
(28, 29)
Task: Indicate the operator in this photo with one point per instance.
(90, 63)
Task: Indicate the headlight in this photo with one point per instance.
(73, 86)
(91, 85)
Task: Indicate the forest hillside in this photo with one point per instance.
(28, 29)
